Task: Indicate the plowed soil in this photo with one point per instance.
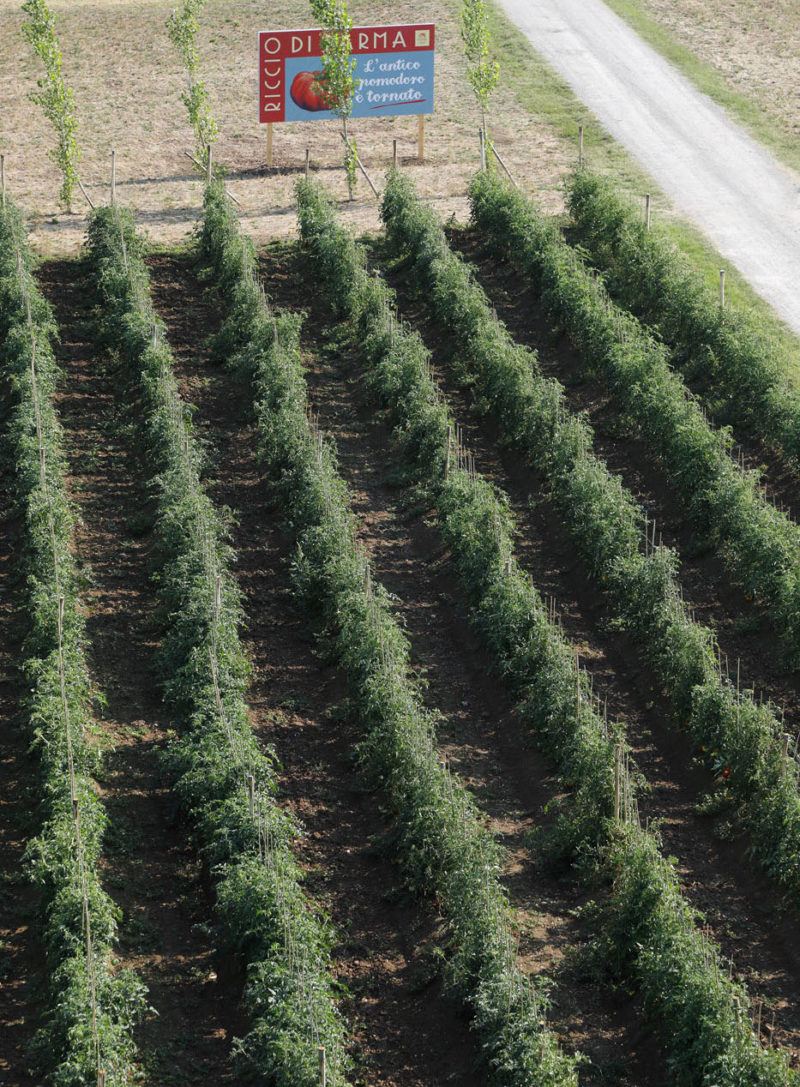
(744, 913)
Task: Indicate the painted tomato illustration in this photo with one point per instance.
(307, 91)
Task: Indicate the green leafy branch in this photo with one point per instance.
(54, 96)
(482, 72)
(338, 65)
(182, 27)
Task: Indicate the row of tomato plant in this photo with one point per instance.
(91, 1006)
(641, 586)
(438, 835)
(721, 349)
(648, 933)
(759, 544)
(224, 781)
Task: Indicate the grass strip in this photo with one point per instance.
(727, 351)
(649, 933)
(440, 841)
(225, 783)
(740, 737)
(91, 1007)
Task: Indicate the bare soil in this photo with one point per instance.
(148, 867)
(755, 44)
(404, 1033)
(743, 910)
(127, 82)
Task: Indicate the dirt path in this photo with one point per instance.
(148, 867)
(20, 962)
(710, 169)
(479, 733)
(742, 908)
(404, 1034)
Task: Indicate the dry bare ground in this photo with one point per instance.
(755, 44)
(127, 83)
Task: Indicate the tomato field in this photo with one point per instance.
(446, 744)
(399, 630)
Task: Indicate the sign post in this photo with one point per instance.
(394, 75)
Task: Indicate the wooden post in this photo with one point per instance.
(394, 158)
(113, 176)
(722, 288)
(101, 1078)
(421, 137)
(323, 1070)
(483, 150)
(308, 156)
(269, 143)
(785, 749)
(3, 177)
(647, 210)
(447, 458)
(209, 165)
(617, 777)
(251, 789)
(75, 808)
(580, 145)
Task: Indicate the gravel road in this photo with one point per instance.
(714, 173)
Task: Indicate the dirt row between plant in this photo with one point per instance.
(404, 1034)
(479, 734)
(745, 635)
(19, 777)
(743, 911)
(148, 865)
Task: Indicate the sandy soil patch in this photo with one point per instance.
(754, 43)
(127, 84)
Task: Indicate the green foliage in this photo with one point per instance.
(441, 844)
(483, 73)
(90, 1006)
(648, 933)
(338, 66)
(759, 544)
(723, 351)
(602, 518)
(182, 27)
(54, 96)
(225, 783)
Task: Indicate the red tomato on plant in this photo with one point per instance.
(308, 91)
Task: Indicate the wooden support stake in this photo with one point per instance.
(721, 288)
(421, 137)
(394, 154)
(580, 145)
(308, 156)
(209, 165)
(75, 808)
(482, 138)
(447, 458)
(251, 790)
(360, 165)
(101, 1078)
(89, 200)
(647, 210)
(785, 749)
(113, 176)
(323, 1069)
(199, 165)
(3, 177)
(230, 196)
(499, 158)
(617, 778)
(269, 144)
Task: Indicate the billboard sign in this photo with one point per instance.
(394, 73)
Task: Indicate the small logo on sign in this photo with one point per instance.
(422, 39)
